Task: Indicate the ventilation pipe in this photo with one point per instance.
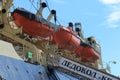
(53, 13)
(78, 29)
(70, 25)
(39, 12)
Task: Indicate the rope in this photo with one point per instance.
(55, 17)
(33, 4)
(47, 5)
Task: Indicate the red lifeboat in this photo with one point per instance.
(31, 24)
(89, 54)
(67, 39)
(91, 50)
(78, 51)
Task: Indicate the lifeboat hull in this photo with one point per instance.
(78, 51)
(29, 25)
(89, 54)
(65, 39)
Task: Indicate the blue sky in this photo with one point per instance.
(99, 18)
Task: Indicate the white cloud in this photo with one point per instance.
(110, 1)
(113, 18)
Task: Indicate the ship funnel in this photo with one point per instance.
(39, 12)
(53, 13)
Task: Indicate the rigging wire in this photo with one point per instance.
(47, 5)
(61, 20)
(13, 7)
(38, 2)
(31, 1)
(36, 8)
(58, 21)
(55, 17)
(20, 2)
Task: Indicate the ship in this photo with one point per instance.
(58, 52)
